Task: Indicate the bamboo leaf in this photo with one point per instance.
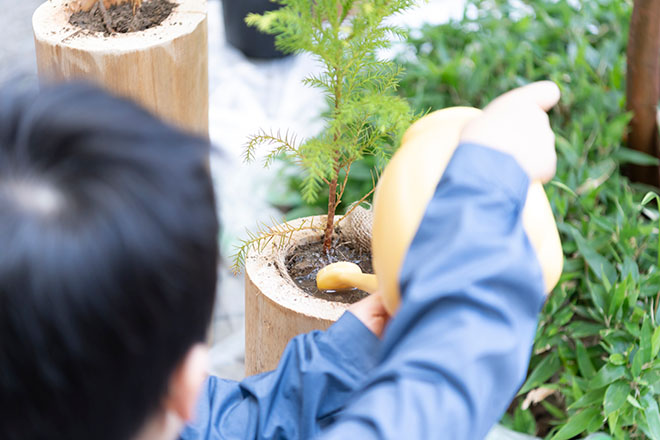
(543, 371)
(577, 424)
(655, 343)
(648, 197)
(584, 363)
(626, 155)
(603, 269)
(652, 416)
(589, 399)
(615, 396)
(564, 187)
(606, 375)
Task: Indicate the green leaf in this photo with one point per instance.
(603, 269)
(651, 378)
(613, 421)
(631, 400)
(637, 362)
(577, 424)
(564, 187)
(617, 359)
(587, 369)
(618, 298)
(556, 412)
(615, 396)
(606, 375)
(523, 421)
(591, 398)
(582, 329)
(626, 155)
(655, 343)
(652, 416)
(630, 269)
(646, 341)
(542, 372)
(598, 294)
(648, 197)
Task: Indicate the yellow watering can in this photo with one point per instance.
(402, 195)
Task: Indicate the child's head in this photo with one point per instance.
(108, 253)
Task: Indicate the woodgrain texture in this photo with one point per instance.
(276, 310)
(643, 87)
(164, 68)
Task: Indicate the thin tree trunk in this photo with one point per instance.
(332, 196)
(643, 86)
(330, 225)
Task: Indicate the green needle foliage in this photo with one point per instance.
(366, 117)
(597, 344)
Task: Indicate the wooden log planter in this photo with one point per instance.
(164, 68)
(276, 309)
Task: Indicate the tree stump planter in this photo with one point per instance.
(163, 68)
(276, 309)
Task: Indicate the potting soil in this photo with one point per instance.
(303, 263)
(121, 19)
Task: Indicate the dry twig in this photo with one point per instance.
(107, 22)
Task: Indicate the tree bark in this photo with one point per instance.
(330, 224)
(643, 86)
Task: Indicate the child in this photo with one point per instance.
(108, 271)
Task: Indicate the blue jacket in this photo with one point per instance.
(452, 358)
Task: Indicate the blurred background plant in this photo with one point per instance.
(594, 366)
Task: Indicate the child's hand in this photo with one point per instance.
(516, 123)
(372, 313)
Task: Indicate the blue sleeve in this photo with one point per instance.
(317, 374)
(472, 288)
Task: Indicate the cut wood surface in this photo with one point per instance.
(276, 310)
(164, 68)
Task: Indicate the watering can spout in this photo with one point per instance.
(345, 275)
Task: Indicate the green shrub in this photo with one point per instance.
(598, 339)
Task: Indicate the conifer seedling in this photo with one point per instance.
(365, 116)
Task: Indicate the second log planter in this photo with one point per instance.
(163, 68)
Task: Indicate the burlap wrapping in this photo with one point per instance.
(357, 227)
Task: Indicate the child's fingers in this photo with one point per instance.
(545, 94)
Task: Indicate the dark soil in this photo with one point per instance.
(305, 261)
(120, 18)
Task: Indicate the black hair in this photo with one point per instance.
(108, 262)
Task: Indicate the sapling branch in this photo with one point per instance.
(286, 144)
(278, 234)
(343, 186)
